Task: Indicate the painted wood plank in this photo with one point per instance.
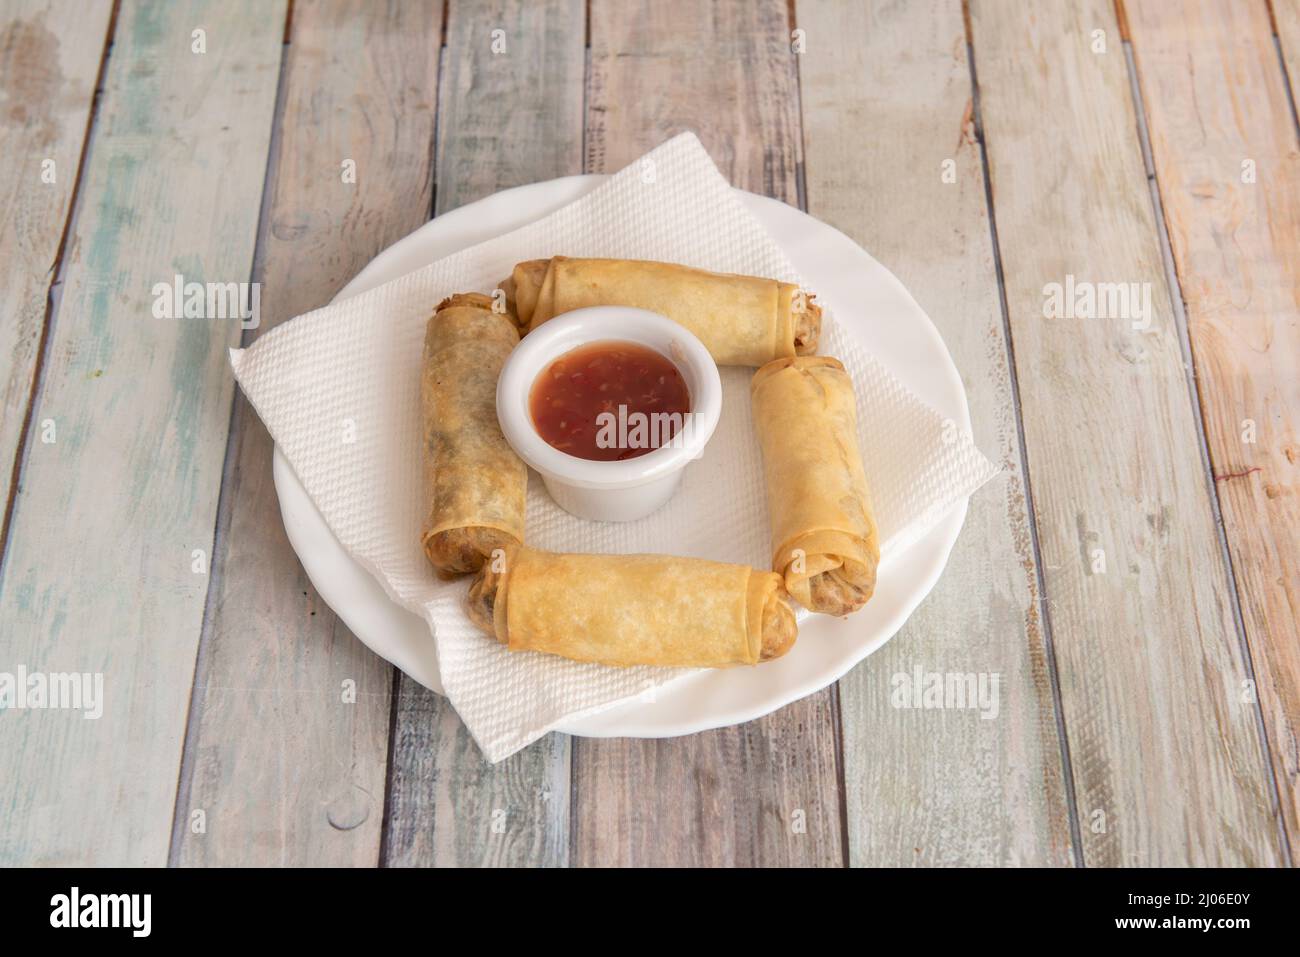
(766, 792)
(50, 54)
(892, 161)
(510, 113)
(1286, 20)
(1167, 760)
(351, 175)
(100, 574)
(1223, 141)
(722, 70)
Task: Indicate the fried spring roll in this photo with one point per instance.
(824, 539)
(633, 609)
(742, 320)
(475, 484)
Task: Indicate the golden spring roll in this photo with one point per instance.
(475, 484)
(742, 320)
(633, 609)
(824, 540)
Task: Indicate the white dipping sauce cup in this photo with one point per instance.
(618, 491)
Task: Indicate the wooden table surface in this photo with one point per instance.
(1132, 579)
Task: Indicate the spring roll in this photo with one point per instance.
(742, 320)
(475, 484)
(824, 540)
(633, 609)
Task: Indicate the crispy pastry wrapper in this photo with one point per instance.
(742, 320)
(475, 484)
(633, 609)
(824, 538)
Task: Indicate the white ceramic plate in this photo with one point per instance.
(864, 297)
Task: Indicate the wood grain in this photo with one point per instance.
(50, 54)
(307, 788)
(507, 117)
(766, 792)
(893, 162)
(1224, 146)
(99, 575)
(1168, 763)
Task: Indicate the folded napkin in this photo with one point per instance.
(339, 390)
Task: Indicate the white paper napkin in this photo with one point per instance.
(339, 388)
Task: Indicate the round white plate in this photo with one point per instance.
(866, 299)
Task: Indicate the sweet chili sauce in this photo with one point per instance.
(609, 400)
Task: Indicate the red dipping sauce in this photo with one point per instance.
(609, 400)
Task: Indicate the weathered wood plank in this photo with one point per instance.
(100, 574)
(351, 175)
(510, 112)
(722, 70)
(1223, 142)
(1167, 760)
(729, 796)
(50, 55)
(892, 160)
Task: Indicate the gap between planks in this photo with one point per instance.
(1288, 79)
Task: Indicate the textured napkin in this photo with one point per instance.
(339, 388)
